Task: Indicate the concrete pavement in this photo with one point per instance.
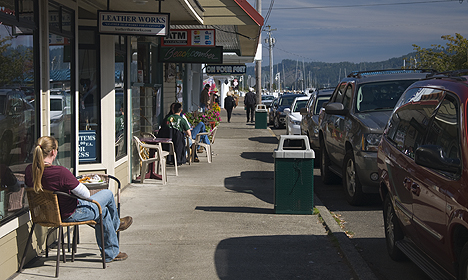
(216, 221)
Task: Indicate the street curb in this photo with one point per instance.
(358, 265)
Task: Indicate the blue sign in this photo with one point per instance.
(87, 145)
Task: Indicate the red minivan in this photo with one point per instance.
(423, 174)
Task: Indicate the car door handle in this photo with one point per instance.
(415, 189)
(407, 183)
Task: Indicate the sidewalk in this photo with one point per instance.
(213, 221)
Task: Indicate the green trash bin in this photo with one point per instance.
(261, 113)
(294, 175)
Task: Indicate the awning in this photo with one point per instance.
(237, 23)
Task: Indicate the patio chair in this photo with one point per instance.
(45, 211)
(172, 151)
(207, 147)
(146, 158)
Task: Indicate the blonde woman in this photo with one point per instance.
(42, 174)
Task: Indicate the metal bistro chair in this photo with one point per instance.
(171, 148)
(45, 211)
(145, 159)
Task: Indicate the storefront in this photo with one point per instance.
(60, 75)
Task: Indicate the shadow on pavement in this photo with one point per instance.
(265, 140)
(260, 156)
(251, 210)
(258, 183)
(279, 257)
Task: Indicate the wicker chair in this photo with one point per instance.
(45, 211)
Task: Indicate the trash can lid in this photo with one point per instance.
(294, 146)
(261, 108)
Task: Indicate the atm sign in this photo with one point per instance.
(190, 38)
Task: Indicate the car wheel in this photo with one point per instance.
(328, 177)
(463, 264)
(27, 145)
(276, 123)
(393, 231)
(351, 184)
(5, 149)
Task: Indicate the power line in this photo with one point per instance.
(365, 5)
(268, 13)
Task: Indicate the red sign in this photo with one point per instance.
(190, 38)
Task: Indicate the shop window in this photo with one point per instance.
(61, 85)
(18, 113)
(89, 97)
(120, 98)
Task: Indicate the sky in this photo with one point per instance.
(360, 30)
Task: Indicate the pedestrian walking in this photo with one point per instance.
(249, 101)
(205, 97)
(229, 104)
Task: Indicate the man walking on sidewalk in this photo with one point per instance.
(249, 101)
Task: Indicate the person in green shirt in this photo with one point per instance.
(177, 121)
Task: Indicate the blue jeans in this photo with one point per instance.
(203, 107)
(200, 128)
(89, 211)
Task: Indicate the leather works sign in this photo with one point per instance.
(136, 24)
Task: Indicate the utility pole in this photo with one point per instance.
(271, 43)
(258, 63)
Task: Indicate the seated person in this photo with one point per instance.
(42, 174)
(177, 123)
(200, 127)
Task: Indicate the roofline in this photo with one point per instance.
(248, 9)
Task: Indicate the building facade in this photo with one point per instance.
(63, 74)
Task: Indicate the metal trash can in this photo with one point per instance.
(261, 113)
(294, 175)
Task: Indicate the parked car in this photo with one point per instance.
(294, 117)
(352, 125)
(310, 117)
(267, 100)
(271, 113)
(60, 116)
(16, 123)
(422, 160)
(278, 116)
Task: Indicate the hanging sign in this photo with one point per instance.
(136, 24)
(190, 38)
(225, 69)
(191, 54)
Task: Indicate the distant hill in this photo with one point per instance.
(321, 74)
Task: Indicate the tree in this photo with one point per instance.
(452, 56)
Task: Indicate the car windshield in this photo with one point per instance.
(319, 104)
(287, 100)
(299, 104)
(56, 104)
(268, 97)
(380, 95)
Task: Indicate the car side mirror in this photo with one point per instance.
(336, 109)
(431, 156)
(287, 111)
(303, 111)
